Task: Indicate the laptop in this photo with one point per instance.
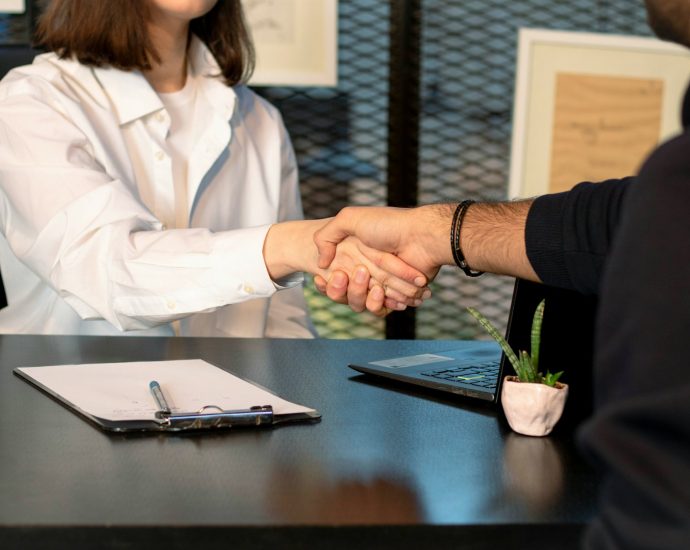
(475, 368)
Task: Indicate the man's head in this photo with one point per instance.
(670, 19)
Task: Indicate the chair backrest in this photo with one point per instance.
(15, 55)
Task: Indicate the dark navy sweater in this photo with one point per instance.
(629, 242)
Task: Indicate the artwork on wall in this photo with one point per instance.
(12, 6)
(295, 41)
(589, 107)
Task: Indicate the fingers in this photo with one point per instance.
(397, 267)
(358, 289)
(393, 284)
(320, 284)
(345, 290)
(361, 291)
(336, 288)
(376, 301)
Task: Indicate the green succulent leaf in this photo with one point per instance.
(526, 365)
(551, 379)
(486, 324)
(536, 333)
(531, 374)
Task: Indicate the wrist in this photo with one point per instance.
(437, 219)
(289, 248)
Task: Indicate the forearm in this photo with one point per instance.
(492, 238)
(492, 235)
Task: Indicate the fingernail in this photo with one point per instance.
(426, 294)
(417, 303)
(361, 275)
(420, 281)
(377, 293)
(400, 306)
(339, 280)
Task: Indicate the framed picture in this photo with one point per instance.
(295, 41)
(12, 6)
(589, 107)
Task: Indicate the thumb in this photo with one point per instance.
(326, 239)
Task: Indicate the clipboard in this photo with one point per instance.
(119, 397)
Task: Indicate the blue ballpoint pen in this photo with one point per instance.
(157, 393)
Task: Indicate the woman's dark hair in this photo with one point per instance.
(114, 32)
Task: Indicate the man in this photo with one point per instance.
(626, 240)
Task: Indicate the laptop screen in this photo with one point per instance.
(567, 340)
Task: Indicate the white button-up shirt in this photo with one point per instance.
(86, 191)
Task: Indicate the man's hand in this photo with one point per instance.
(289, 247)
(419, 236)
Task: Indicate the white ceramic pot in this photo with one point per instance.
(532, 409)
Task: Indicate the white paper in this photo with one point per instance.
(120, 391)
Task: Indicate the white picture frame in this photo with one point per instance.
(12, 6)
(296, 42)
(658, 71)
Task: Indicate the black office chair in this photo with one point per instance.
(13, 56)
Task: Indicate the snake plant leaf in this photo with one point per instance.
(484, 322)
(528, 368)
(551, 379)
(536, 334)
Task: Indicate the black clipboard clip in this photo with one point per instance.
(254, 416)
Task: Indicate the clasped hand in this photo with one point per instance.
(394, 258)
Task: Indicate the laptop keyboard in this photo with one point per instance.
(483, 375)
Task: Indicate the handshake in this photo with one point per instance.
(382, 259)
(396, 253)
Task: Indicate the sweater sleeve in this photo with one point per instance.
(568, 234)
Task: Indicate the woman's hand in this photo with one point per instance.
(289, 247)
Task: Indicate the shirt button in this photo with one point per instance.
(171, 304)
(249, 289)
(160, 155)
(160, 117)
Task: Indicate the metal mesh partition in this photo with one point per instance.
(466, 86)
(340, 138)
(467, 74)
(468, 71)
(15, 29)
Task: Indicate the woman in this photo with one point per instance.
(142, 184)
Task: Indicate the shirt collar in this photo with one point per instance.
(133, 97)
(130, 93)
(220, 96)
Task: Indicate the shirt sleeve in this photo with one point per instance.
(568, 235)
(95, 243)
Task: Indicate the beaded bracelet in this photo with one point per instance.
(455, 227)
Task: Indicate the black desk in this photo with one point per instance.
(384, 468)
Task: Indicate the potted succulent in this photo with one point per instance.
(532, 402)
